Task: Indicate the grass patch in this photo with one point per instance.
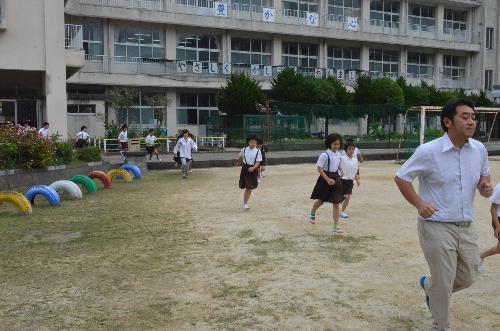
(346, 249)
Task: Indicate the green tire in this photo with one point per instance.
(86, 182)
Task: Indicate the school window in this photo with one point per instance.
(254, 6)
(420, 65)
(453, 67)
(203, 48)
(132, 44)
(384, 63)
(141, 114)
(250, 51)
(346, 58)
(299, 8)
(81, 109)
(488, 80)
(195, 109)
(300, 54)
(2, 13)
(384, 13)
(489, 38)
(93, 41)
(338, 10)
(454, 20)
(421, 18)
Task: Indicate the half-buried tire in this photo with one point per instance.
(68, 186)
(102, 176)
(18, 200)
(86, 182)
(50, 194)
(133, 169)
(117, 173)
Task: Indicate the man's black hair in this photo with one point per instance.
(331, 138)
(450, 110)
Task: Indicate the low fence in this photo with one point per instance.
(163, 144)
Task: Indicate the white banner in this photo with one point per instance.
(352, 75)
(340, 74)
(220, 9)
(197, 67)
(330, 73)
(269, 15)
(351, 23)
(312, 19)
(181, 66)
(318, 73)
(268, 71)
(255, 70)
(213, 68)
(226, 69)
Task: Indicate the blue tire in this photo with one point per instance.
(133, 169)
(49, 193)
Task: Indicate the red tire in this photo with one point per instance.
(102, 177)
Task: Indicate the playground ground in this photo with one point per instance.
(166, 253)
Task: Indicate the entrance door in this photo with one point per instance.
(7, 111)
(26, 112)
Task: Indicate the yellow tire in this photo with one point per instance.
(18, 200)
(124, 174)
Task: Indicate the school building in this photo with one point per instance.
(59, 58)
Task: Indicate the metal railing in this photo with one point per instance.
(138, 4)
(73, 37)
(163, 144)
(461, 36)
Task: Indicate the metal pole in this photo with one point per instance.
(491, 129)
(422, 125)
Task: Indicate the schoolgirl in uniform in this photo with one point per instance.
(249, 159)
(328, 187)
(185, 145)
(151, 145)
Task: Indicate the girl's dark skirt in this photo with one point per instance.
(150, 149)
(248, 180)
(326, 193)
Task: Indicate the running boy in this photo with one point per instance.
(82, 138)
(123, 139)
(328, 187)
(250, 159)
(349, 166)
(495, 222)
(185, 145)
(151, 145)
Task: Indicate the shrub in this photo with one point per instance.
(88, 154)
(8, 155)
(33, 150)
(240, 95)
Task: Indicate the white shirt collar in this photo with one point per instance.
(448, 144)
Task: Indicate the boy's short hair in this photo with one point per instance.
(260, 142)
(185, 131)
(83, 128)
(252, 137)
(124, 127)
(450, 110)
(348, 144)
(45, 123)
(151, 130)
(331, 138)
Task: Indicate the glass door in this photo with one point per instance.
(7, 111)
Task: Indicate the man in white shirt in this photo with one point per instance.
(185, 145)
(449, 170)
(44, 130)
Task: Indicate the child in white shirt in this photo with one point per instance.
(184, 147)
(44, 130)
(123, 139)
(495, 222)
(249, 159)
(349, 165)
(151, 145)
(82, 138)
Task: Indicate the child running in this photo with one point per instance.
(495, 222)
(151, 145)
(328, 187)
(185, 145)
(123, 140)
(350, 169)
(262, 168)
(250, 159)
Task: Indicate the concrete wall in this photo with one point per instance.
(94, 122)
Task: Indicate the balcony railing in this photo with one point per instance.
(73, 37)
(139, 4)
(453, 82)
(461, 36)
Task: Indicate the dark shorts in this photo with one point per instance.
(326, 193)
(248, 180)
(347, 185)
(493, 225)
(124, 145)
(150, 149)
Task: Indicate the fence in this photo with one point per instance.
(163, 144)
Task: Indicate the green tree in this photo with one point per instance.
(413, 95)
(240, 95)
(159, 103)
(289, 86)
(342, 95)
(122, 100)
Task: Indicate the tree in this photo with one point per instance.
(413, 95)
(240, 95)
(159, 103)
(342, 95)
(289, 86)
(122, 100)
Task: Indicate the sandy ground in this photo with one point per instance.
(149, 263)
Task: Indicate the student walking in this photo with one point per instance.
(495, 222)
(44, 130)
(328, 187)
(123, 140)
(250, 158)
(350, 169)
(449, 170)
(185, 145)
(82, 138)
(151, 145)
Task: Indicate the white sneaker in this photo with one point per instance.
(263, 174)
(246, 207)
(344, 215)
(190, 171)
(159, 160)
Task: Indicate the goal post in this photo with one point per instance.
(422, 124)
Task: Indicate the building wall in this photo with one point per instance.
(94, 122)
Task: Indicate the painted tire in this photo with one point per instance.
(115, 173)
(49, 193)
(86, 182)
(68, 186)
(106, 181)
(133, 169)
(18, 200)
